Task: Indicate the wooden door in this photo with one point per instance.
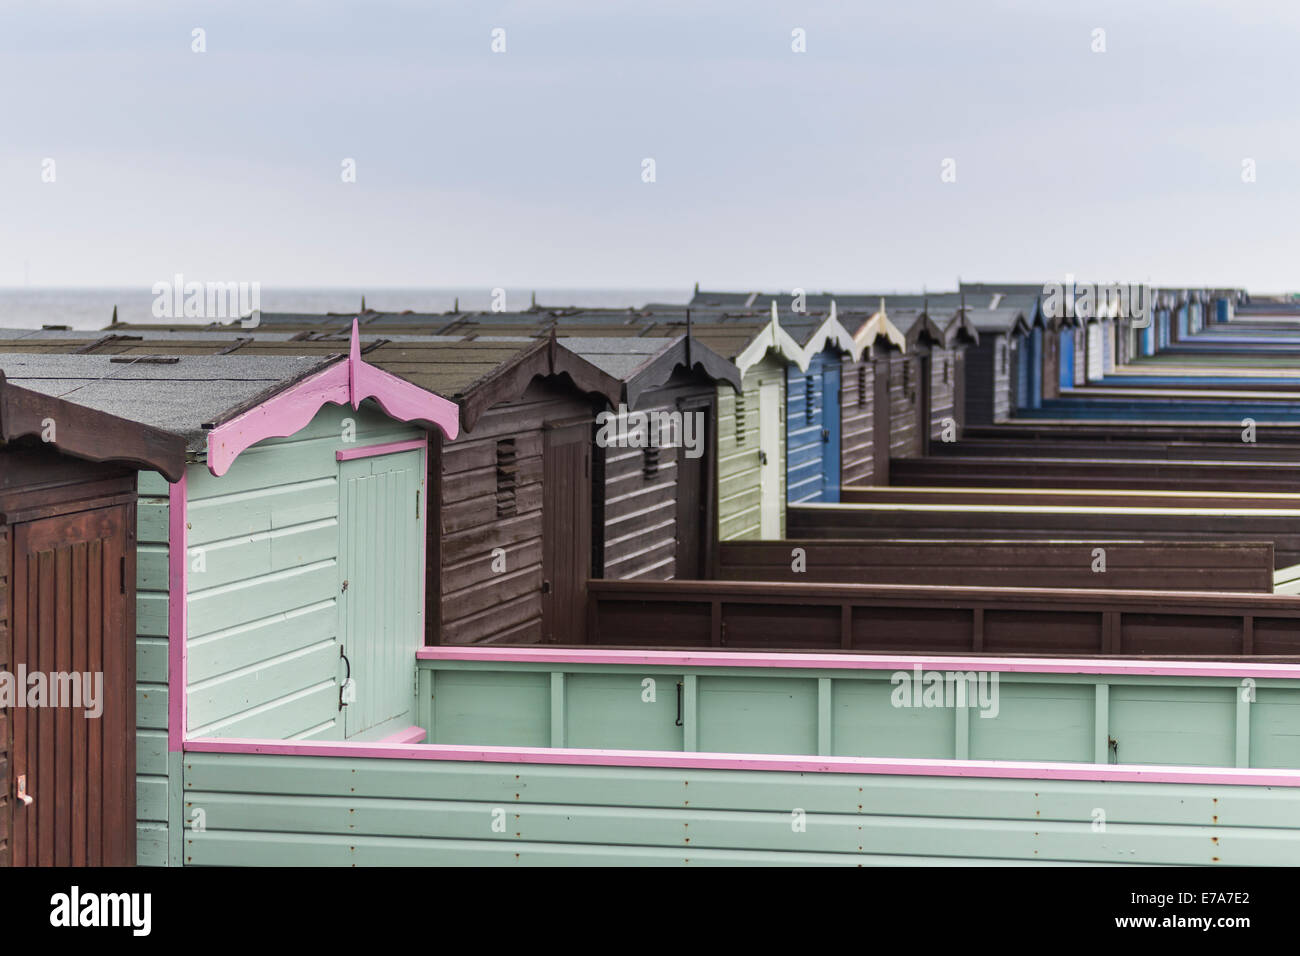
(769, 449)
(381, 564)
(880, 424)
(566, 532)
(74, 613)
(694, 494)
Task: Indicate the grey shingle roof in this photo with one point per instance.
(179, 397)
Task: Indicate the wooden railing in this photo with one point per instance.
(1143, 565)
(924, 619)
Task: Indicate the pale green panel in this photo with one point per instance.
(380, 547)
(151, 752)
(151, 798)
(491, 708)
(232, 516)
(370, 423)
(612, 711)
(151, 660)
(1179, 725)
(151, 844)
(261, 640)
(1275, 729)
(245, 601)
(151, 521)
(263, 810)
(1034, 722)
(757, 715)
(271, 682)
(151, 667)
(151, 567)
(238, 559)
(151, 706)
(151, 614)
(267, 466)
(989, 798)
(307, 710)
(691, 830)
(151, 484)
(866, 722)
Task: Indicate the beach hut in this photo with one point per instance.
(997, 378)
(278, 588)
(814, 397)
(67, 626)
(655, 466)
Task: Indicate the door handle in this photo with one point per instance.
(26, 798)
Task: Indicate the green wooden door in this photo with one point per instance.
(381, 565)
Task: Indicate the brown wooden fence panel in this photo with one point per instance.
(740, 615)
(1166, 565)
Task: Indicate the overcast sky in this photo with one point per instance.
(773, 168)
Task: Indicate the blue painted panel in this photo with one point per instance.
(804, 422)
(812, 424)
(1066, 338)
(1149, 337)
(831, 435)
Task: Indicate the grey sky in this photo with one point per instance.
(774, 169)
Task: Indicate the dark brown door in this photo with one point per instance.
(74, 613)
(694, 494)
(566, 532)
(880, 424)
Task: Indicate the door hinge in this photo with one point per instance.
(417, 504)
(122, 578)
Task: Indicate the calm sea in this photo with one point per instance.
(30, 308)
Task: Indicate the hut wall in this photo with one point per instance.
(265, 561)
(988, 381)
(154, 789)
(1051, 363)
(943, 379)
(905, 406)
(481, 512)
(639, 815)
(739, 464)
(857, 386)
(639, 522)
(1082, 355)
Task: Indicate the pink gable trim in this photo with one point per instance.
(346, 383)
(177, 603)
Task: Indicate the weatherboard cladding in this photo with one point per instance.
(478, 603)
(262, 655)
(344, 810)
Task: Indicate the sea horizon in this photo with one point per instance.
(91, 307)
